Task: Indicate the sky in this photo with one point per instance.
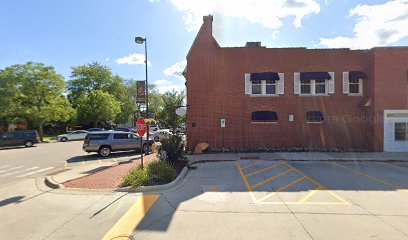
(75, 32)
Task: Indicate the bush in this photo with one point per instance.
(159, 172)
(136, 177)
(174, 148)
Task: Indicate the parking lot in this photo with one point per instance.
(261, 199)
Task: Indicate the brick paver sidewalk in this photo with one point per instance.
(109, 178)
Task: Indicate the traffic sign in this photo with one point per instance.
(141, 127)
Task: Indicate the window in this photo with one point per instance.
(320, 86)
(99, 136)
(314, 116)
(120, 136)
(354, 86)
(264, 116)
(305, 87)
(270, 86)
(401, 131)
(256, 87)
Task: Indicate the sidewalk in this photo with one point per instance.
(304, 156)
(98, 176)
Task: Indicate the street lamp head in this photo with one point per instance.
(140, 40)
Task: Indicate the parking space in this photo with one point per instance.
(263, 199)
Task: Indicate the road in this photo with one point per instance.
(21, 163)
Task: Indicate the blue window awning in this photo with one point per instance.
(315, 76)
(355, 75)
(265, 76)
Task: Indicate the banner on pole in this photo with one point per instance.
(141, 92)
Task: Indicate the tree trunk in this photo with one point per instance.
(96, 123)
(41, 131)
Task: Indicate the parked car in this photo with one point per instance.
(123, 129)
(106, 142)
(154, 127)
(160, 135)
(181, 129)
(94, 129)
(25, 138)
(75, 135)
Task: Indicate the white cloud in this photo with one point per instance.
(133, 59)
(176, 69)
(165, 85)
(267, 13)
(377, 25)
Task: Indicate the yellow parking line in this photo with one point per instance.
(374, 178)
(243, 177)
(281, 189)
(129, 221)
(395, 166)
(317, 183)
(252, 165)
(213, 188)
(271, 178)
(313, 192)
(263, 170)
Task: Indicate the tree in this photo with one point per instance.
(38, 94)
(98, 106)
(167, 115)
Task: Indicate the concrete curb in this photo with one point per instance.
(156, 188)
(51, 183)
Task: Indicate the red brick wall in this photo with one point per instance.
(216, 89)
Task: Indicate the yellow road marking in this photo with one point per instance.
(243, 177)
(252, 165)
(282, 188)
(305, 203)
(129, 221)
(317, 183)
(313, 192)
(213, 189)
(396, 166)
(369, 176)
(271, 178)
(263, 170)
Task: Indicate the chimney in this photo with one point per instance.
(208, 19)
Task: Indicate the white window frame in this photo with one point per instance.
(329, 86)
(257, 84)
(279, 87)
(360, 88)
(313, 88)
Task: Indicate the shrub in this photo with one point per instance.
(161, 172)
(174, 148)
(136, 177)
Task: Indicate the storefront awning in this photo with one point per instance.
(355, 75)
(265, 76)
(315, 76)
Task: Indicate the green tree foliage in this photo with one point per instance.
(87, 79)
(98, 106)
(36, 94)
(167, 115)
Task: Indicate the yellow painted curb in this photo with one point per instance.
(131, 219)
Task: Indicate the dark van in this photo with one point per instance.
(19, 138)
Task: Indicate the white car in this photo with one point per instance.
(75, 135)
(160, 134)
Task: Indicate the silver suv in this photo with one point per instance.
(106, 142)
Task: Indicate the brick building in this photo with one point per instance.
(296, 97)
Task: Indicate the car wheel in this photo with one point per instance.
(104, 151)
(64, 139)
(28, 144)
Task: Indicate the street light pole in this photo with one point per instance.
(140, 40)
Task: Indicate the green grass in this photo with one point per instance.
(49, 138)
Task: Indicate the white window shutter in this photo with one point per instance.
(331, 83)
(360, 86)
(346, 86)
(296, 82)
(248, 85)
(281, 83)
